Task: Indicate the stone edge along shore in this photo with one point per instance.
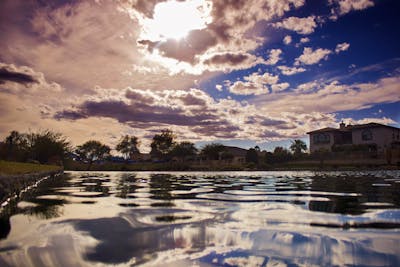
(13, 186)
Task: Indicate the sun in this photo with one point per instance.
(175, 20)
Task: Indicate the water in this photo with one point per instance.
(206, 219)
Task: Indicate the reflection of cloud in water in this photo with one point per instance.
(131, 238)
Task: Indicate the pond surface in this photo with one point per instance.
(206, 219)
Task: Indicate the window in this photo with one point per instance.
(321, 138)
(366, 135)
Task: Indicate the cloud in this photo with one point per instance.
(232, 61)
(279, 87)
(274, 56)
(300, 25)
(310, 57)
(342, 7)
(287, 39)
(24, 80)
(304, 40)
(334, 96)
(254, 84)
(7, 75)
(285, 70)
(342, 47)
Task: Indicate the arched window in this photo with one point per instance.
(366, 135)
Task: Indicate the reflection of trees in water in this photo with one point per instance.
(161, 186)
(126, 185)
(5, 226)
(45, 208)
(363, 186)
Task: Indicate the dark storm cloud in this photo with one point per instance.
(196, 43)
(69, 115)
(137, 112)
(222, 129)
(17, 77)
(228, 58)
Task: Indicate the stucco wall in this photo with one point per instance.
(381, 136)
(317, 146)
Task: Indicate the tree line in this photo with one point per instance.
(49, 147)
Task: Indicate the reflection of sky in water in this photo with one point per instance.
(223, 219)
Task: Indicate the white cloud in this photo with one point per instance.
(310, 57)
(255, 84)
(304, 40)
(287, 39)
(279, 87)
(218, 87)
(334, 96)
(274, 56)
(300, 25)
(285, 70)
(345, 6)
(342, 47)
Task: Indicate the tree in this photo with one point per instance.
(183, 150)
(93, 150)
(252, 156)
(17, 146)
(212, 151)
(128, 146)
(281, 155)
(162, 144)
(297, 147)
(47, 146)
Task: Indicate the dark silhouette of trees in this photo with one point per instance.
(162, 144)
(17, 147)
(44, 147)
(128, 145)
(252, 155)
(48, 147)
(93, 150)
(279, 155)
(297, 147)
(212, 151)
(184, 150)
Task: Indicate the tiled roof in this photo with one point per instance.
(352, 127)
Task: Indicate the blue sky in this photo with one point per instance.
(240, 72)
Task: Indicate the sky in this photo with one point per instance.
(240, 72)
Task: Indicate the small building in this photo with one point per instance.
(372, 137)
(233, 154)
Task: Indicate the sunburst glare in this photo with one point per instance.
(176, 19)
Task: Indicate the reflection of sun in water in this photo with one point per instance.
(175, 20)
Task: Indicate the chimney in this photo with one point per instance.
(342, 125)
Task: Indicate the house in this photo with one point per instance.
(371, 137)
(233, 154)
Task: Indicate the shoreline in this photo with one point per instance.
(13, 186)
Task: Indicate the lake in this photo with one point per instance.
(206, 219)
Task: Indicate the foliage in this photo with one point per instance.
(128, 145)
(44, 147)
(252, 156)
(162, 144)
(212, 151)
(279, 155)
(93, 150)
(297, 147)
(183, 150)
(48, 147)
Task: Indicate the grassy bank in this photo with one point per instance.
(17, 168)
(16, 176)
